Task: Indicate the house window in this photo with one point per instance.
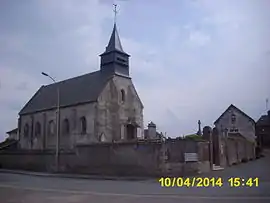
(37, 129)
(233, 118)
(66, 128)
(26, 130)
(83, 125)
(123, 96)
(51, 128)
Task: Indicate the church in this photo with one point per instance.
(101, 106)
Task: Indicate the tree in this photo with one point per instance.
(194, 137)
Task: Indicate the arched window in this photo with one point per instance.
(83, 125)
(26, 130)
(37, 129)
(65, 128)
(51, 128)
(123, 96)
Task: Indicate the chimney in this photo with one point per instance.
(152, 130)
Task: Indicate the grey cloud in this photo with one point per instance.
(64, 39)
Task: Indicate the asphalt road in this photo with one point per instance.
(18, 188)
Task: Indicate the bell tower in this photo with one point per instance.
(114, 60)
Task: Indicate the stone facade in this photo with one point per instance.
(45, 138)
(119, 113)
(235, 121)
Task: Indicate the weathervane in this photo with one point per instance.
(115, 12)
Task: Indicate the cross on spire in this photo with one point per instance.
(115, 12)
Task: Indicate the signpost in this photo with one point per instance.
(191, 157)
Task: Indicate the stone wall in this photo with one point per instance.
(231, 149)
(129, 158)
(36, 160)
(175, 165)
(240, 150)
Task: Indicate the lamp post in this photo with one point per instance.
(57, 121)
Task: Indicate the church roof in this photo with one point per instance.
(77, 90)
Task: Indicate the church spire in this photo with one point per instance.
(114, 43)
(114, 60)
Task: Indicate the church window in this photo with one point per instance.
(74, 118)
(83, 125)
(65, 128)
(37, 129)
(26, 130)
(122, 96)
(51, 127)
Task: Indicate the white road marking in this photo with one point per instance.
(137, 195)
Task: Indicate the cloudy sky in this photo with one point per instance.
(190, 59)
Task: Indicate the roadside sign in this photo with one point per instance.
(189, 157)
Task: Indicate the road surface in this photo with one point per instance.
(18, 188)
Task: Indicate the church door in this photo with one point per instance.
(131, 130)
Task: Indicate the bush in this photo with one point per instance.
(194, 137)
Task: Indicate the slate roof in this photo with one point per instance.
(114, 43)
(8, 143)
(77, 90)
(264, 120)
(234, 107)
(12, 131)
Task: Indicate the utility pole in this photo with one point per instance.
(57, 122)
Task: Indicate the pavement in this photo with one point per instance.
(76, 176)
(16, 187)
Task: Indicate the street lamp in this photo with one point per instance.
(57, 121)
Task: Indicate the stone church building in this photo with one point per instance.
(101, 106)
